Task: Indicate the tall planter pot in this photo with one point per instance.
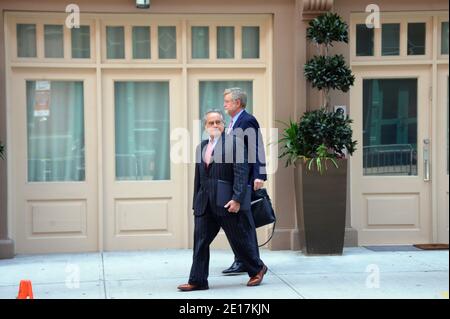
(321, 208)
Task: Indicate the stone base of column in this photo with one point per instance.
(285, 239)
(289, 239)
(6, 249)
(351, 237)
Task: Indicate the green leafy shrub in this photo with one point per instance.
(326, 29)
(322, 135)
(325, 73)
(318, 137)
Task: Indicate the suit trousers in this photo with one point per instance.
(236, 258)
(241, 233)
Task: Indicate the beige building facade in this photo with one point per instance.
(95, 118)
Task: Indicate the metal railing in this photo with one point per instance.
(57, 169)
(390, 159)
(136, 166)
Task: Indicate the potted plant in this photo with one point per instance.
(319, 143)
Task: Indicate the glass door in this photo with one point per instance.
(391, 171)
(144, 198)
(53, 154)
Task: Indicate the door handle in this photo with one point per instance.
(426, 160)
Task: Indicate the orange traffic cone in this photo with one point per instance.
(25, 290)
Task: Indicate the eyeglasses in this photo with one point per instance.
(218, 122)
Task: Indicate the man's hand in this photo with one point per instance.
(233, 206)
(258, 184)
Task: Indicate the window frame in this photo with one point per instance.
(57, 19)
(141, 21)
(183, 23)
(402, 42)
(211, 39)
(150, 43)
(440, 20)
(238, 23)
(388, 18)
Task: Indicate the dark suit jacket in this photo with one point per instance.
(226, 165)
(257, 163)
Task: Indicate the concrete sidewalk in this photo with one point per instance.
(359, 273)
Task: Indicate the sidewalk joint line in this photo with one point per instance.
(288, 284)
(104, 278)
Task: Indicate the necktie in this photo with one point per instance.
(230, 127)
(208, 152)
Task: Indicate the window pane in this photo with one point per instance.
(142, 118)
(141, 42)
(26, 40)
(416, 38)
(211, 96)
(390, 127)
(167, 41)
(54, 43)
(390, 39)
(250, 42)
(200, 42)
(81, 42)
(115, 40)
(444, 38)
(55, 130)
(364, 40)
(225, 42)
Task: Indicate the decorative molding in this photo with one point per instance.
(312, 8)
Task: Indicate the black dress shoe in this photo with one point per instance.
(236, 268)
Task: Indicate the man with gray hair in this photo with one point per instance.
(222, 200)
(245, 126)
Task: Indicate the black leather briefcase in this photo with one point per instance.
(262, 210)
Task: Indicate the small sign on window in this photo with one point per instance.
(42, 99)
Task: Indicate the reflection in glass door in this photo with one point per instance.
(55, 130)
(142, 130)
(211, 96)
(390, 127)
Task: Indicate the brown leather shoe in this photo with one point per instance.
(189, 287)
(256, 280)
